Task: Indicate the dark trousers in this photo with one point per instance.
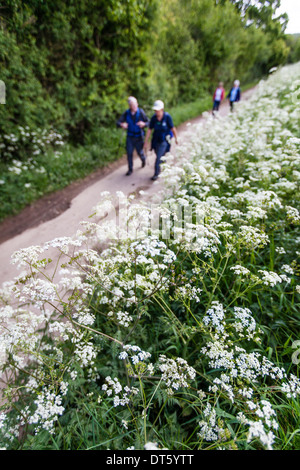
(137, 144)
(160, 150)
(216, 105)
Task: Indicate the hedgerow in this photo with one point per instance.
(170, 323)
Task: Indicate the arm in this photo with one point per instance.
(144, 121)
(172, 127)
(174, 130)
(121, 122)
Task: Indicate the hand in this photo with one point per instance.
(141, 124)
(124, 125)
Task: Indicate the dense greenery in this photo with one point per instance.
(293, 41)
(71, 64)
(68, 67)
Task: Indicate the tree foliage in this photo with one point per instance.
(71, 64)
(293, 42)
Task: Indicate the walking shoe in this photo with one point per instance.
(154, 177)
(143, 163)
(128, 172)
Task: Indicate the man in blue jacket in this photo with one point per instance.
(234, 94)
(134, 120)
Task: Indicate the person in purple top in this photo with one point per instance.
(218, 97)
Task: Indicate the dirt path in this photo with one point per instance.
(60, 213)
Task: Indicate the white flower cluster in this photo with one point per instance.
(255, 212)
(240, 270)
(252, 237)
(12, 144)
(27, 256)
(122, 318)
(209, 427)
(257, 430)
(260, 200)
(176, 373)
(224, 354)
(292, 387)
(287, 268)
(121, 396)
(215, 317)
(31, 256)
(270, 278)
(189, 292)
(85, 351)
(18, 333)
(224, 383)
(48, 408)
(136, 356)
(63, 243)
(153, 247)
(153, 446)
(245, 324)
(82, 314)
(293, 215)
(262, 429)
(2, 420)
(38, 292)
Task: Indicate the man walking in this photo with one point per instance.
(234, 94)
(134, 120)
(162, 125)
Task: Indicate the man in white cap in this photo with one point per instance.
(162, 125)
(134, 120)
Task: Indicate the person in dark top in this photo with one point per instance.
(163, 129)
(134, 120)
(234, 94)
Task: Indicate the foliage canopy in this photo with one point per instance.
(70, 65)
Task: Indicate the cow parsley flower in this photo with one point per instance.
(176, 373)
(270, 278)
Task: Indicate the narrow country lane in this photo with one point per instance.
(81, 207)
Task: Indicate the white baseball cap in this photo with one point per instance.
(158, 104)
